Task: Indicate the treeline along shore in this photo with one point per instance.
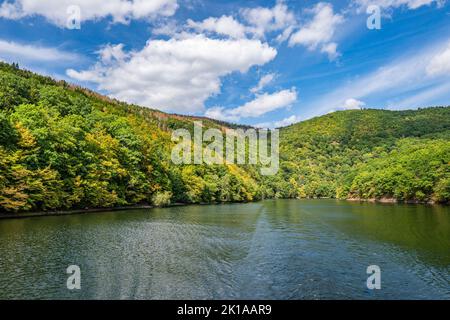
(64, 148)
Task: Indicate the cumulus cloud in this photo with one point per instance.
(319, 31)
(120, 11)
(13, 51)
(331, 50)
(224, 25)
(263, 20)
(279, 124)
(261, 105)
(263, 82)
(265, 103)
(220, 113)
(168, 27)
(287, 121)
(255, 22)
(259, 22)
(351, 104)
(177, 74)
(111, 53)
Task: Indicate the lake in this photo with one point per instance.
(275, 249)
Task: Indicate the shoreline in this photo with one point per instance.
(22, 215)
(394, 201)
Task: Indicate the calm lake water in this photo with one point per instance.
(284, 249)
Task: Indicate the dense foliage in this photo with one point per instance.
(367, 154)
(65, 147)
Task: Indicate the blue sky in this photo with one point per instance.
(267, 63)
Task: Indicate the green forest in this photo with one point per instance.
(65, 147)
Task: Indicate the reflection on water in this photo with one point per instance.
(284, 249)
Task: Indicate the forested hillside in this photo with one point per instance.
(368, 154)
(65, 147)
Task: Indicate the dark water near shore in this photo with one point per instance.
(284, 249)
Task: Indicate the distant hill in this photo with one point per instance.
(66, 147)
(368, 154)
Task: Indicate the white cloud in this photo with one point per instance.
(331, 50)
(265, 103)
(261, 105)
(109, 54)
(319, 31)
(351, 104)
(409, 73)
(13, 51)
(424, 98)
(287, 121)
(176, 74)
(395, 76)
(440, 63)
(256, 22)
(224, 25)
(284, 36)
(263, 82)
(167, 27)
(10, 11)
(279, 124)
(220, 113)
(410, 4)
(264, 20)
(121, 11)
